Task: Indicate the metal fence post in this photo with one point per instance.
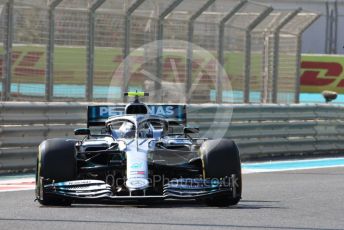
(189, 57)
(247, 66)
(298, 59)
(159, 38)
(2, 80)
(331, 29)
(8, 50)
(275, 61)
(126, 50)
(220, 51)
(266, 73)
(327, 28)
(335, 29)
(298, 69)
(90, 47)
(49, 89)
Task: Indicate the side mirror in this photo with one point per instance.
(188, 130)
(82, 131)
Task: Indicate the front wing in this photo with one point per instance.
(99, 191)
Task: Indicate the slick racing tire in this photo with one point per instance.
(220, 159)
(55, 161)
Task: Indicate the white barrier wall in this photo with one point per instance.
(259, 130)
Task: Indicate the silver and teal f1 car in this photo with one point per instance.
(138, 153)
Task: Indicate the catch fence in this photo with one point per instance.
(194, 51)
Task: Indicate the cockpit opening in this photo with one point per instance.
(148, 128)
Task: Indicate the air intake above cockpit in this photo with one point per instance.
(136, 107)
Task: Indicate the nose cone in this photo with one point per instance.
(137, 169)
(137, 184)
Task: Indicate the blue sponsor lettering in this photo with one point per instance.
(161, 110)
(169, 110)
(103, 111)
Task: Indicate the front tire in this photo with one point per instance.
(55, 161)
(220, 159)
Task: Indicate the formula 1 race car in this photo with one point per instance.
(140, 153)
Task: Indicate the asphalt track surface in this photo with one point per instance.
(301, 200)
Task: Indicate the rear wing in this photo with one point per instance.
(98, 114)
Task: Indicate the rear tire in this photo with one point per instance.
(220, 158)
(55, 161)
